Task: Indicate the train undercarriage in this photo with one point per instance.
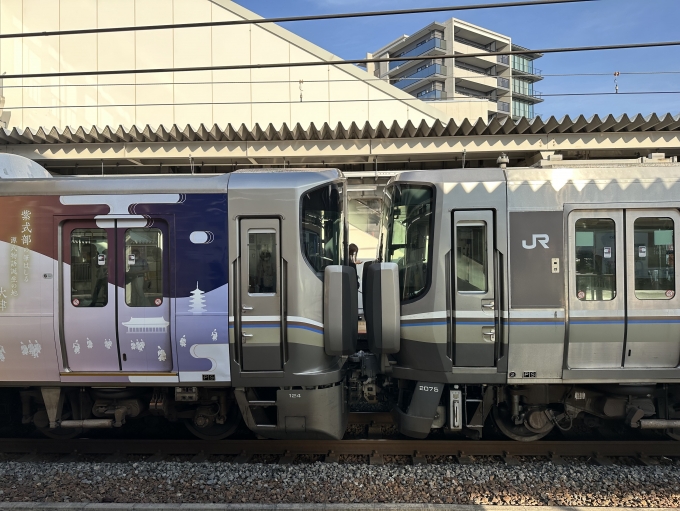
(419, 409)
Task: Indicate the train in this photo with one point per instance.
(526, 300)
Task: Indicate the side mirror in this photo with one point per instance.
(340, 311)
(382, 307)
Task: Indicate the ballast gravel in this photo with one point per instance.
(486, 481)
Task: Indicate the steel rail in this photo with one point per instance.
(368, 447)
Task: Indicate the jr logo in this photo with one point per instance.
(543, 239)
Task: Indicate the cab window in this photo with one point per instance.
(408, 223)
(322, 228)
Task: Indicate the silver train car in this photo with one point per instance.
(198, 298)
(544, 297)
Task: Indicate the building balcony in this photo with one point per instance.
(435, 45)
(460, 91)
(503, 60)
(503, 107)
(432, 95)
(533, 96)
(527, 72)
(503, 82)
(433, 70)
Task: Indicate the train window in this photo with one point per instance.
(471, 258)
(89, 268)
(595, 259)
(261, 262)
(143, 267)
(408, 218)
(322, 228)
(654, 259)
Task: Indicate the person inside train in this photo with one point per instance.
(100, 270)
(136, 275)
(354, 259)
(266, 272)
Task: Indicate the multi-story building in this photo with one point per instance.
(506, 82)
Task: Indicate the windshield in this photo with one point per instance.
(405, 235)
(322, 226)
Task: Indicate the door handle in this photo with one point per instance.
(490, 304)
(246, 308)
(245, 336)
(489, 333)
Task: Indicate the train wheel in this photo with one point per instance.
(218, 431)
(526, 432)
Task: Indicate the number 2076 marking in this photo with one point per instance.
(426, 388)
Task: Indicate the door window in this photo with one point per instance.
(595, 257)
(261, 262)
(654, 258)
(143, 267)
(471, 258)
(89, 268)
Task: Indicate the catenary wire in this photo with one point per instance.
(287, 19)
(352, 80)
(572, 49)
(319, 101)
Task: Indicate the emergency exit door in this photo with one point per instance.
(261, 319)
(474, 316)
(115, 297)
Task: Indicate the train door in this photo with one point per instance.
(143, 310)
(260, 295)
(475, 321)
(90, 341)
(115, 283)
(597, 304)
(653, 327)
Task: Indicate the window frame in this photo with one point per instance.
(106, 265)
(384, 231)
(276, 257)
(162, 235)
(344, 234)
(487, 265)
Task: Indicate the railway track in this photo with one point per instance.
(646, 452)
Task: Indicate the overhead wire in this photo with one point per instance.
(288, 19)
(317, 101)
(275, 65)
(329, 80)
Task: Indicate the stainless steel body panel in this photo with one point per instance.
(427, 322)
(258, 195)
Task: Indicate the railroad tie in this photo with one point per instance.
(332, 457)
(418, 458)
(244, 457)
(376, 459)
(287, 458)
(156, 457)
(199, 458)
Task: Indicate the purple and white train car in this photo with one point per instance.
(193, 297)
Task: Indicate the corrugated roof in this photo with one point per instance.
(506, 126)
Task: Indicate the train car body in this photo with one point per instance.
(175, 296)
(541, 295)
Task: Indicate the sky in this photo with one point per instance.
(597, 22)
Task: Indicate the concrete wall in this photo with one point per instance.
(460, 109)
(330, 93)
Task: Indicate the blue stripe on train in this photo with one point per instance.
(301, 327)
